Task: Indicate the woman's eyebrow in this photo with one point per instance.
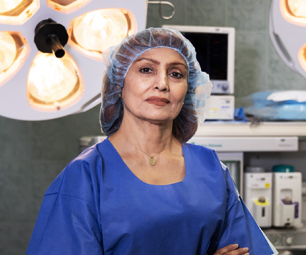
(149, 59)
(179, 63)
(157, 62)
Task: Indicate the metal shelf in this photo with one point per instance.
(247, 144)
(287, 238)
(224, 128)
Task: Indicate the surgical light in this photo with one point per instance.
(99, 30)
(13, 51)
(94, 32)
(8, 5)
(302, 56)
(7, 51)
(53, 81)
(67, 6)
(287, 29)
(46, 78)
(293, 11)
(297, 7)
(17, 12)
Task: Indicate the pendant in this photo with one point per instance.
(152, 161)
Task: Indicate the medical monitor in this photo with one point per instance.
(215, 47)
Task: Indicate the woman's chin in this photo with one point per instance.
(153, 116)
(159, 119)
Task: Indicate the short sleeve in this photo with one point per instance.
(67, 223)
(238, 225)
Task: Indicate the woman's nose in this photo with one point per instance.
(162, 83)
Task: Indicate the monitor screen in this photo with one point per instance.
(212, 52)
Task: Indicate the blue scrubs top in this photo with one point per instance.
(98, 206)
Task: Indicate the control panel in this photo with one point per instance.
(220, 87)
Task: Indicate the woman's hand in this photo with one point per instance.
(232, 249)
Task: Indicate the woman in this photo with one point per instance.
(144, 190)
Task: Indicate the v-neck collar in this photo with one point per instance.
(128, 171)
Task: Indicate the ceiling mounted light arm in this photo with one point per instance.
(51, 37)
(160, 8)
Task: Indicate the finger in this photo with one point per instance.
(232, 250)
(240, 251)
(225, 249)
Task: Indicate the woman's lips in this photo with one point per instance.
(159, 101)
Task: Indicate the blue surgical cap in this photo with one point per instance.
(118, 60)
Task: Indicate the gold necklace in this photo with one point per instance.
(152, 160)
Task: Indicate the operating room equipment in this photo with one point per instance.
(287, 197)
(258, 195)
(48, 87)
(287, 21)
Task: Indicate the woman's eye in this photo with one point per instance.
(176, 75)
(146, 70)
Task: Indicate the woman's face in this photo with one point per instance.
(155, 85)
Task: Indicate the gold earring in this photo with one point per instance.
(120, 95)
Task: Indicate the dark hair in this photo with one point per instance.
(185, 124)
